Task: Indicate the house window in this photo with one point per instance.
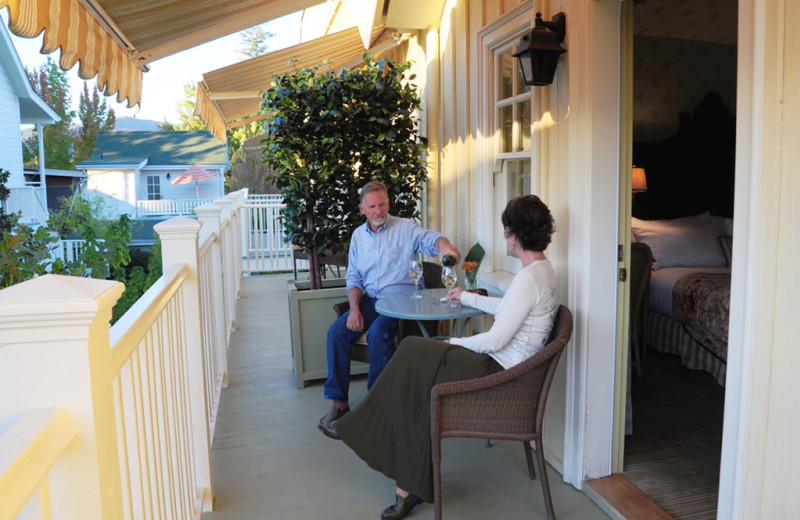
(153, 187)
(511, 125)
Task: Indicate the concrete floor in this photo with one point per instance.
(271, 462)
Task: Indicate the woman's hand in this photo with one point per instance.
(454, 296)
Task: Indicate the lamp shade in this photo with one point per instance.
(639, 179)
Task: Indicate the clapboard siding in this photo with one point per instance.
(10, 135)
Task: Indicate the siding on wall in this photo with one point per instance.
(117, 189)
(10, 134)
(456, 162)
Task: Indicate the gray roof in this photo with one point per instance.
(156, 148)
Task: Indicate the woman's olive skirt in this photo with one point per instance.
(391, 428)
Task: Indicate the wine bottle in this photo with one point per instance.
(449, 260)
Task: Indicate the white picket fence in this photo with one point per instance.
(155, 208)
(117, 422)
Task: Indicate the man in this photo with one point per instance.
(380, 252)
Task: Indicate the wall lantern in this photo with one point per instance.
(539, 51)
(168, 175)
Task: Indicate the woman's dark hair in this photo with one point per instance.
(530, 220)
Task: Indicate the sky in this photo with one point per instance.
(163, 84)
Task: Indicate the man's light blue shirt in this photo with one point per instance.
(378, 261)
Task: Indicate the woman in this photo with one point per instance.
(390, 429)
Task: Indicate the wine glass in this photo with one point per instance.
(415, 271)
(449, 277)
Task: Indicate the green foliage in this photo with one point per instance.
(137, 280)
(5, 221)
(106, 246)
(52, 85)
(24, 253)
(188, 121)
(254, 41)
(331, 132)
(237, 136)
(96, 116)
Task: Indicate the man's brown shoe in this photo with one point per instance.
(327, 423)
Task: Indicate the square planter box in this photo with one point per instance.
(311, 314)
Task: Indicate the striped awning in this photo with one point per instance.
(231, 96)
(116, 39)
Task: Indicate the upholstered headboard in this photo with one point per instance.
(692, 171)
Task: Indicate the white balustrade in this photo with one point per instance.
(264, 245)
(158, 208)
(141, 396)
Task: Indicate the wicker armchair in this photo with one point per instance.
(431, 279)
(506, 405)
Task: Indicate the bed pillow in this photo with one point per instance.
(727, 247)
(684, 242)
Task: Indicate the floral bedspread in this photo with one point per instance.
(701, 301)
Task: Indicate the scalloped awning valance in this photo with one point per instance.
(116, 39)
(231, 96)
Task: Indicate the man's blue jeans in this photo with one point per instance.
(381, 331)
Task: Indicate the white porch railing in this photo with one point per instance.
(264, 246)
(29, 200)
(67, 250)
(127, 412)
(265, 197)
(158, 208)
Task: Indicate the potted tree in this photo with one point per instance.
(328, 133)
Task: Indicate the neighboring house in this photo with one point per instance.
(135, 173)
(20, 105)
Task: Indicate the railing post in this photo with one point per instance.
(179, 246)
(229, 256)
(55, 352)
(209, 215)
(236, 220)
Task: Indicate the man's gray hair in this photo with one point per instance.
(370, 187)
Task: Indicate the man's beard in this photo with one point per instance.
(378, 222)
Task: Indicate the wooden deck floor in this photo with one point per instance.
(271, 462)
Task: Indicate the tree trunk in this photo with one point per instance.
(313, 258)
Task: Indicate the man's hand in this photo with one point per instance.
(355, 321)
(445, 247)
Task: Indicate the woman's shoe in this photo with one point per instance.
(401, 507)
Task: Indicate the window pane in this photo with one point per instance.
(506, 126)
(506, 75)
(519, 178)
(153, 187)
(521, 86)
(524, 112)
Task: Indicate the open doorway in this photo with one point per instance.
(683, 136)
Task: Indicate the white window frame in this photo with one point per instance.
(154, 182)
(494, 40)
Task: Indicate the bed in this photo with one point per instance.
(689, 294)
